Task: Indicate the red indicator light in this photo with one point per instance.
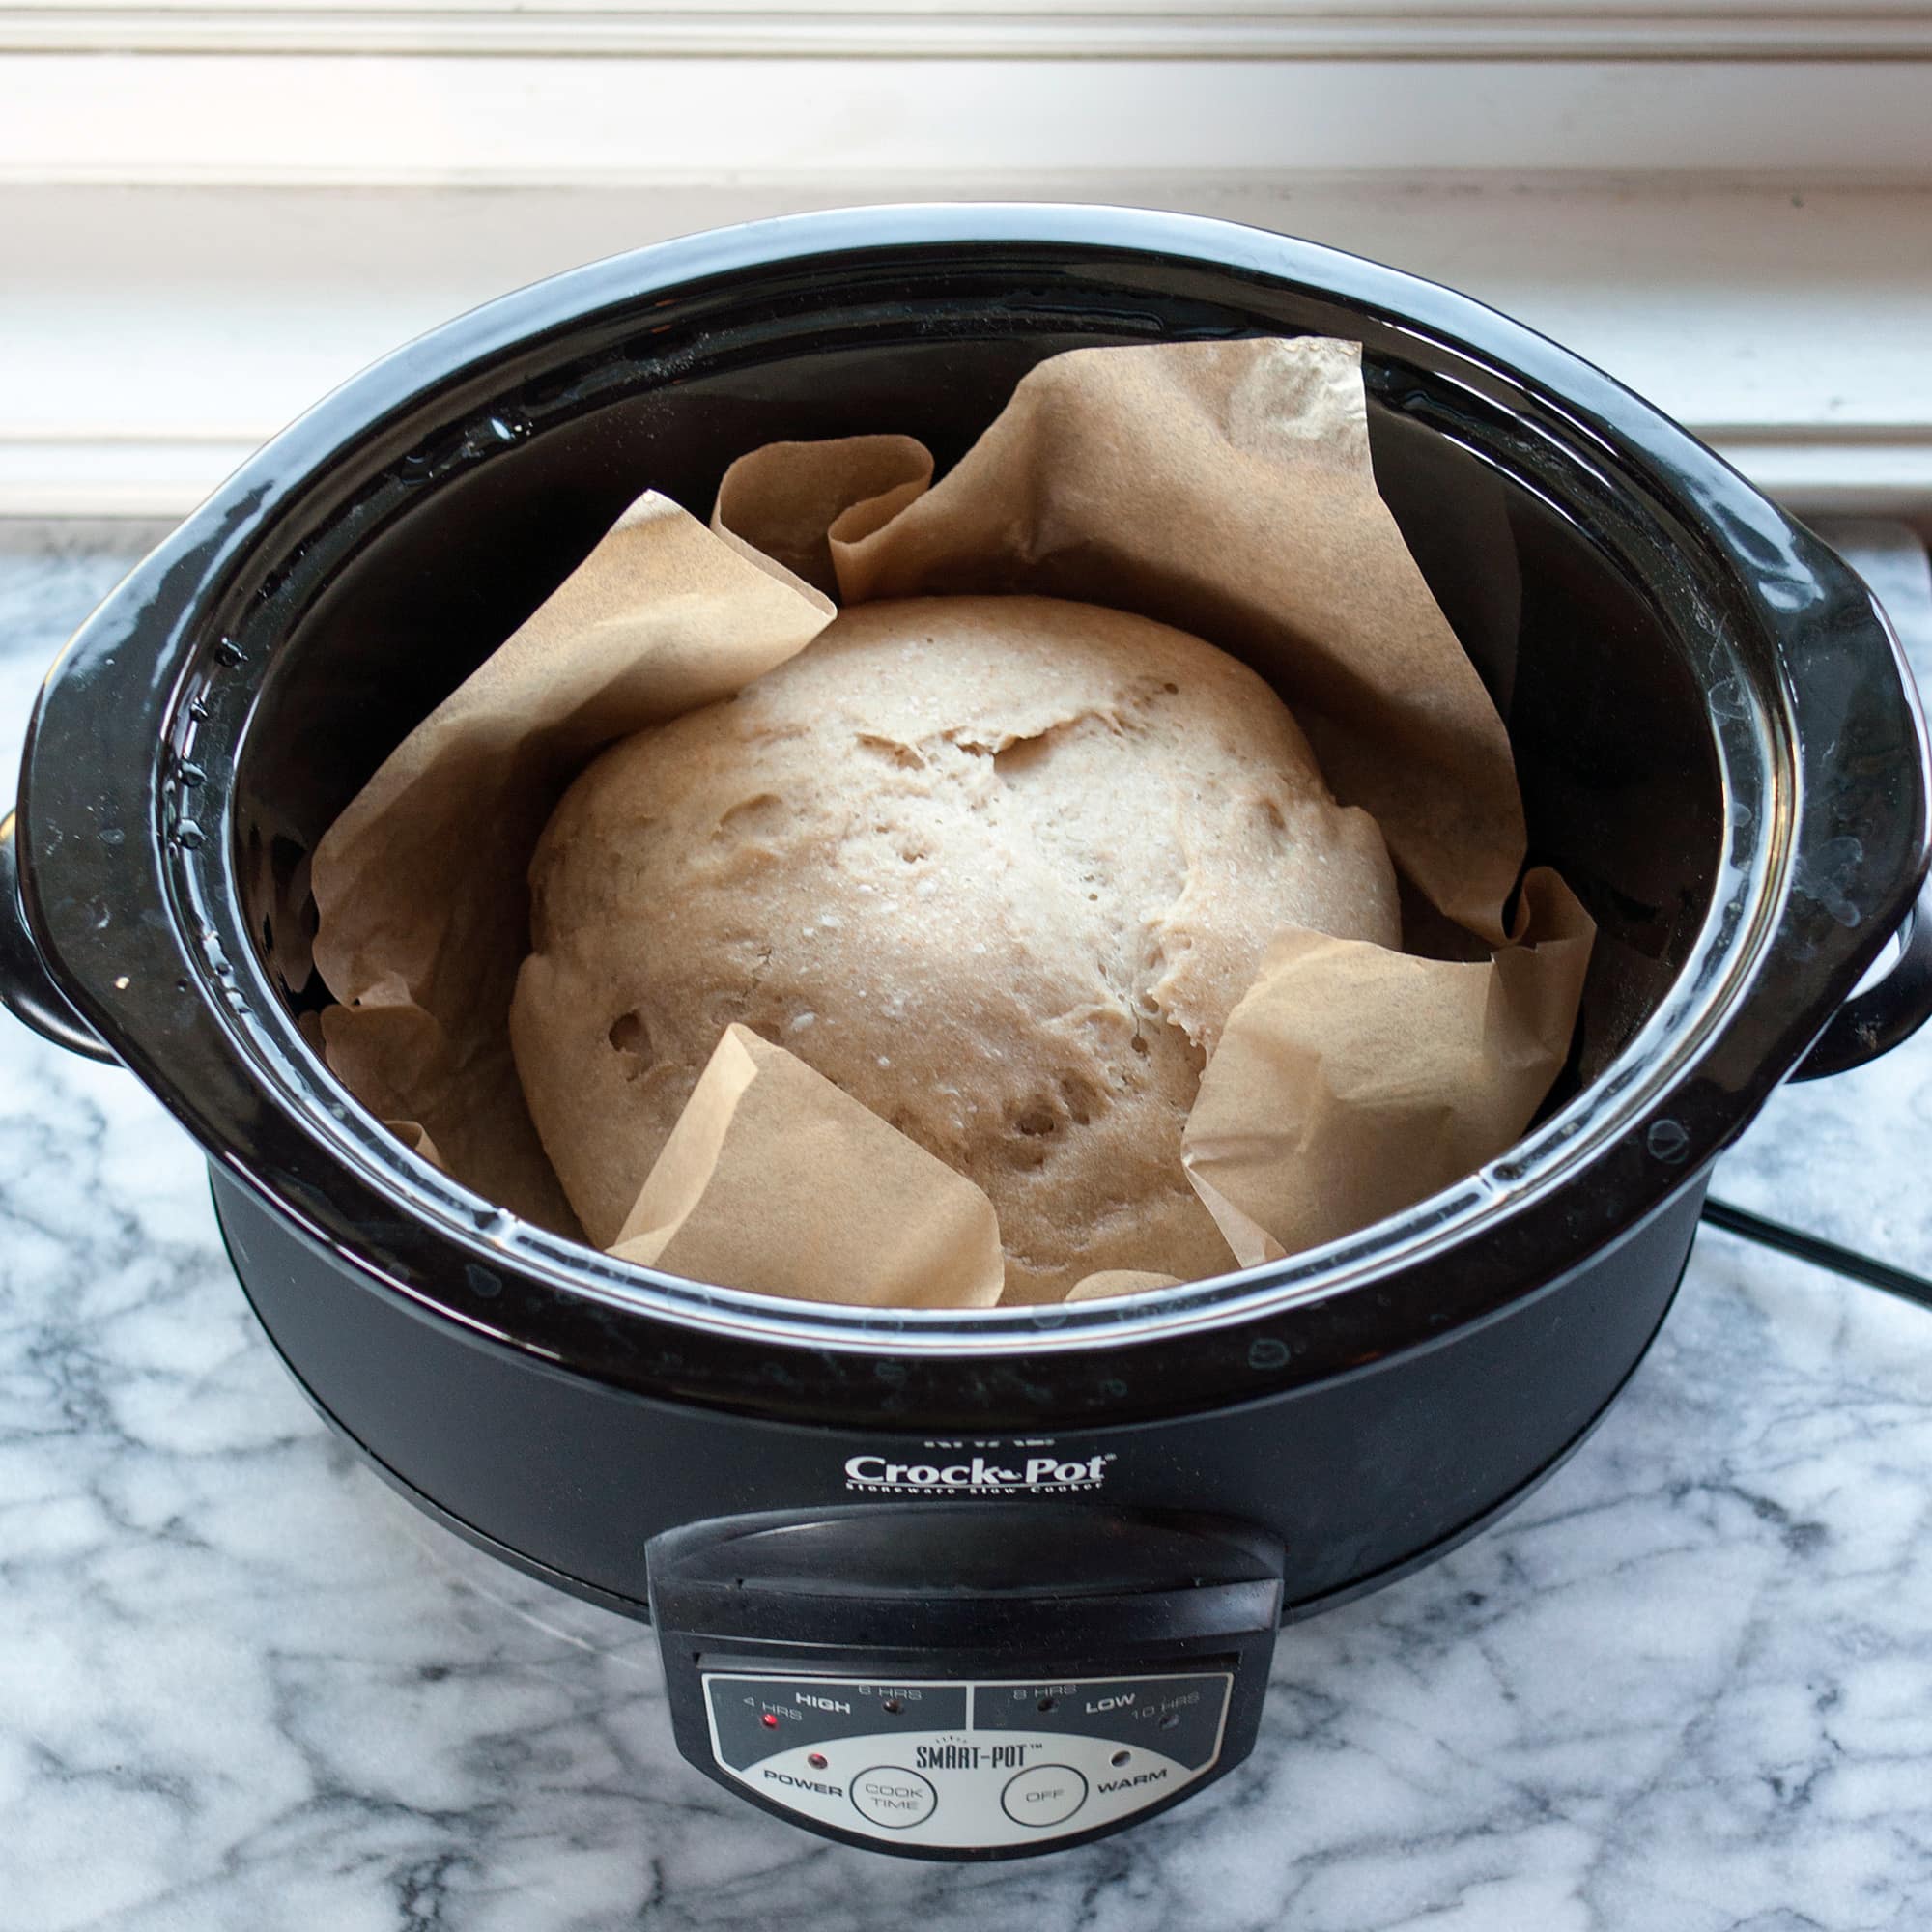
(817, 1760)
(769, 1720)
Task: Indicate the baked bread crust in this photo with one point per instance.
(998, 866)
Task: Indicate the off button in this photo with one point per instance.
(1044, 1794)
(892, 1796)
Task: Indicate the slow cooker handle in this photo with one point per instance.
(1888, 1012)
(27, 989)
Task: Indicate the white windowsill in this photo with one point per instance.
(151, 338)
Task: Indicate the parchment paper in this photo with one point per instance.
(1224, 488)
(424, 911)
(1353, 1081)
(1110, 1282)
(777, 1180)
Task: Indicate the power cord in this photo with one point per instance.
(1820, 1253)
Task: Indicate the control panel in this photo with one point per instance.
(987, 1682)
(967, 1765)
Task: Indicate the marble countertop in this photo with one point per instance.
(243, 1688)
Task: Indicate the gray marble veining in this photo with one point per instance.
(245, 1689)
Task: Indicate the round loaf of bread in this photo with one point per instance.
(998, 866)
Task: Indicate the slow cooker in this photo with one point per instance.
(975, 1584)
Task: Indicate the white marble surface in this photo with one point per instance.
(245, 1689)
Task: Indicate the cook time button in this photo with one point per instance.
(1043, 1793)
(892, 1796)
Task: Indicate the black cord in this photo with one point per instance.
(1820, 1253)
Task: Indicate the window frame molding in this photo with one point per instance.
(1202, 30)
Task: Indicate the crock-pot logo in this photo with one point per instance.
(979, 1476)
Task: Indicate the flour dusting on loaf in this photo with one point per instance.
(998, 866)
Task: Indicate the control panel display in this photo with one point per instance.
(967, 1765)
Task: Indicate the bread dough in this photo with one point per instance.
(999, 867)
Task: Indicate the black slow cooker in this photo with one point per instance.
(975, 1584)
